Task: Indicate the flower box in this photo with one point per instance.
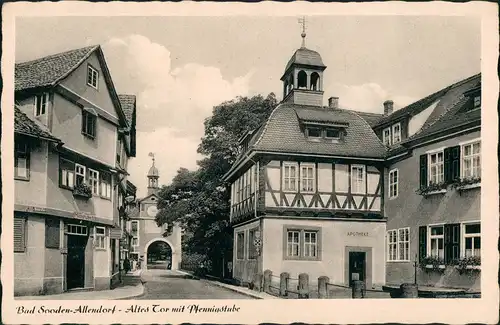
(442, 267)
(82, 190)
(468, 187)
(429, 266)
(473, 267)
(432, 189)
(435, 192)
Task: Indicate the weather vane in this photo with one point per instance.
(152, 155)
(303, 22)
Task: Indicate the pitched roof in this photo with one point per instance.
(24, 125)
(371, 118)
(282, 133)
(128, 105)
(422, 104)
(49, 70)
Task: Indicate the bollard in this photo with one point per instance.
(257, 282)
(358, 289)
(267, 280)
(284, 284)
(322, 287)
(303, 286)
(409, 290)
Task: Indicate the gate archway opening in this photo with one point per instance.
(158, 255)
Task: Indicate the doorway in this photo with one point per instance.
(357, 266)
(75, 270)
(159, 256)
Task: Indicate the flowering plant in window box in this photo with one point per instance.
(472, 263)
(466, 183)
(432, 263)
(432, 188)
(82, 190)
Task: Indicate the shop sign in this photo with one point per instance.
(358, 234)
(84, 216)
(34, 209)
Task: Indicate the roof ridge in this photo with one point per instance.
(54, 55)
(76, 65)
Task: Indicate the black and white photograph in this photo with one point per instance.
(245, 157)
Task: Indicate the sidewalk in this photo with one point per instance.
(242, 290)
(131, 287)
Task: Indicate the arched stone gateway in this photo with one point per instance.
(175, 258)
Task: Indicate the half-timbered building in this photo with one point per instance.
(307, 189)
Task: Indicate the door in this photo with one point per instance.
(75, 270)
(357, 266)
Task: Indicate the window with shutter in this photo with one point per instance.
(52, 233)
(423, 171)
(451, 242)
(455, 163)
(447, 165)
(19, 235)
(422, 242)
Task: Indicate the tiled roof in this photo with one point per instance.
(443, 95)
(48, 70)
(318, 116)
(371, 118)
(304, 56)
(24, 125)
(282, 133)
(128, 105)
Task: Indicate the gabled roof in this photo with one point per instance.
(128, 103)
(420, 105)
(50, 70)
(24, 125)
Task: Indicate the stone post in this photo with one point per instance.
(358, 289)
(267, 280)
(257, 282)
(409, 290)
(303, 286)
(284, 276)
(323, 287)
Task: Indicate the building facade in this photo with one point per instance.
(307, 190)
(144, 230)
(385, 198)
(66, 197)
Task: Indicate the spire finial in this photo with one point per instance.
(152, 155)
(303, 22)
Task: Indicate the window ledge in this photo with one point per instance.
(398, 261)
(430, 266)
(24, 179)
(468, 186)
(470, 267)
(435, 192)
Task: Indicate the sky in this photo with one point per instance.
(181, 67)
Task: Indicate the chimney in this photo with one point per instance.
(333, 102)
(388, 107)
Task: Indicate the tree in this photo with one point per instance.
(199, 200)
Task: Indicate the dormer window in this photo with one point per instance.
(322, 133)
(396, 133)
(386, 136)
(314, 133)
(392, 135)
(41, 103)
(332, 134)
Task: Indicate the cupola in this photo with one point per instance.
(153, 176)
(303, 76)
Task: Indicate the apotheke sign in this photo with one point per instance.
(358, 234)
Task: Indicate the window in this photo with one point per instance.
(94, 181)
(100, 238)
(436, 168)
(40, 105)
(477, 101)
(393, 183)
(386, 136)
(392, 245)
(290, 177)
(52, 233)
(358, 179)
(106, 187)
(404, 244)
(310, 244)
(314, 132)
(80, 174)
(396, 133)
(307, 178)
(398, 245)
(19, 234)
(472, 239)
(76, 230)
(134, 228)
(66, 173)
(92, 77)
(252, 250)
(135, 242)
(437, 241)
(21, 160)
(301, 243)
(292, 243)
(89, 123)
(240, 246)
(471, 160)
(332, 134)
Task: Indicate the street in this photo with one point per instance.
(165, 284)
